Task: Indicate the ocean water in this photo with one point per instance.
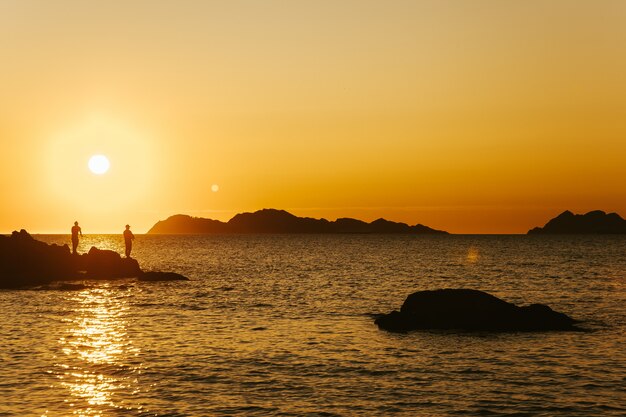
(282, 325)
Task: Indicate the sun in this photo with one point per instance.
(98, 164)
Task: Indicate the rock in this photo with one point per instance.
(470, 310)
(109, 264)
(26, 262)
(162, 276)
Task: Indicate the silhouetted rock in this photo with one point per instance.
(470, 310)
(26, 262)
(280, 221)
(594, 222)
(109, 264)
(162, 276)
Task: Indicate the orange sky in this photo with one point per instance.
(467, 116)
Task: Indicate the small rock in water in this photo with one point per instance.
(102, 263)
(471, 310)
(162, 276)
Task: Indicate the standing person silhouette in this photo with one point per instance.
(75, 231)
(128, 240)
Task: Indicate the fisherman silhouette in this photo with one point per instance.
(128, 240)
(75, 231)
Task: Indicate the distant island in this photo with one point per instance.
(594, 222)
(280, 221)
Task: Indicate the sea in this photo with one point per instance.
(283, 325)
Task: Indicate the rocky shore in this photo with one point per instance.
(27, 262)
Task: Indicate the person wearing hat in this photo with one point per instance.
(128, 240)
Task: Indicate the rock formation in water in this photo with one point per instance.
(161, 276)
(280, 221)
(470, 310)
(594, 222)
(98, 263)
(26, 262)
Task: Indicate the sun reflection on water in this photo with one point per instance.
(473, 255)
(99, 359)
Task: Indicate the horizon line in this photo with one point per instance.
(99, 232)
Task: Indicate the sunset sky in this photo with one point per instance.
(468, 116)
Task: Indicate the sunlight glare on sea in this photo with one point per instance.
(96, 342)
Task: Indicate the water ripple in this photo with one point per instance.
(282, 325)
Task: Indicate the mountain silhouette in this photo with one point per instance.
(281, 221)
(594, 222)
